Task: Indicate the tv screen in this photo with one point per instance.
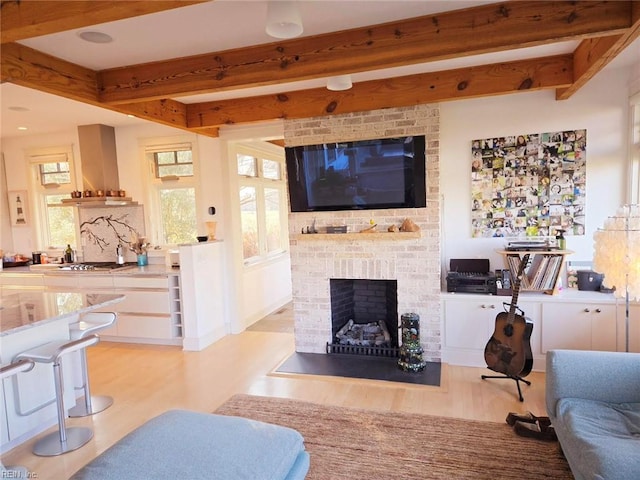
(366, 174)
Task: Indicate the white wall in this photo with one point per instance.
(601, 107)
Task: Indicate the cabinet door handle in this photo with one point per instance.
(587, 310)
(598, 310)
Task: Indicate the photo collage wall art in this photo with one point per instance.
(529, 185)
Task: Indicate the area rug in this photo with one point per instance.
(358, 366)
(353, 444)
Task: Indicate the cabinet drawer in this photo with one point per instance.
(144, 302)
(70, 281)
(97, 281)
(129, 281)
(145, 326)
(27, 279)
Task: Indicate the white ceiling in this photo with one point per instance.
(217, 26)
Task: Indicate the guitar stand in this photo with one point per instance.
(516, 378)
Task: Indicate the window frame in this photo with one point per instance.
(154, 185)
(260, 183)
(634, 149)
(39, 191)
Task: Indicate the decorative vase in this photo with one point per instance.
(411, 352)
(143, 259)
(211, 230)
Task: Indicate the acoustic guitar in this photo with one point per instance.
(508, 351)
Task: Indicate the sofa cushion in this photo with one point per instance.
(603, 440)
(191, 445)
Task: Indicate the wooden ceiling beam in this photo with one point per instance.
(472, 31)
(592, 55)
(30, 68)
(23, 19)
(497, 79)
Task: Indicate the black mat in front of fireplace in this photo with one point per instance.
(358, 366)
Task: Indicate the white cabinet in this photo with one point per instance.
(579, 326)
(634, 327)
(469, 323)
(150, 312)
(571, 320)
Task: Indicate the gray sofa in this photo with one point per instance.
(593, 401)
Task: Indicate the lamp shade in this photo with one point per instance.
(283, 19)
(341, 82)
(617, 251)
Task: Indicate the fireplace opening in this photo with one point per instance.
(364, 317)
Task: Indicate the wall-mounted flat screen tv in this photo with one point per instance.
(365, 174)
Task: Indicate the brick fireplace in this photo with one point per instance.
(412, 261)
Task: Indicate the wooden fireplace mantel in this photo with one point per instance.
(356, 236)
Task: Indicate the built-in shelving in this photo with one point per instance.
(543, 270)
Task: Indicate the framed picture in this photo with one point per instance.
(531, 185)
(19, 208)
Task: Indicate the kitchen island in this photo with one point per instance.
(29, 318)
(164, 305)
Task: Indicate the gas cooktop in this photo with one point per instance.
(92, 266)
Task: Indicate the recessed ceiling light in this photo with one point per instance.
(19, 109)
(95, 37)
(131, 116)
(22, 128)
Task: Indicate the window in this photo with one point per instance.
(53, 181)
(177, 163)
(172, 188)
(262, 203)
(634, 150)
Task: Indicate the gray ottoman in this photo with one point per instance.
(191, 445)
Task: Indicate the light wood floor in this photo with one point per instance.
(148, 380)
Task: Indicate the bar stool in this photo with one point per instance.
(89, 324)
(7, 371)
(66, 439)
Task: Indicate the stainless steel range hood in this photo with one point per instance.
(99, 167)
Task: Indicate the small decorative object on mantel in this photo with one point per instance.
(392, 229)
(371, 229)
(411, 351)
(409, 225)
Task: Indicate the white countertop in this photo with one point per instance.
(53, 269)
(564, 295)
(24, 309)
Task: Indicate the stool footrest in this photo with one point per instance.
(52, 351)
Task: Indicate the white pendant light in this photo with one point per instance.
(339, 83)
(283, 19)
